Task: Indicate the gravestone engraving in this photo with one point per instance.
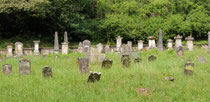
(180, 51)
(188, 68)
(94, 76)
(19, 49)
(152, 43)
(56, 43)
(119, 43)
(83, 65)
(7, 68)
(137, 60)
(66, 37)
(178, 41)
(24, 66)
(189, 43)
(152, 58)
(65, 48)
(140, 45)
(9, 50)
(170, 43)
(107, 63)
(36, 47)
(47, 71)
(160, 41)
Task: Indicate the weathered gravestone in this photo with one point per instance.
(83, 65)
(160, 41)
(66, 37)
(129, 43)
(189, 43)
(99, 47)
(9, 50)
(47, 71)
(137, 60)
(118, 43)
(80, 47)
(201, 59)
(170, 43)
(65, 48)
(178, 41)
(168, 78)
(140, 45)
(180, 51)
(25, 66)
(106, 49)
(188, 68)
(7, 68)
(36, 47)
(19, 49)
(152, 58)
(56, 43)
(126, 49)
(86, 47)
(94, 76)
(126, 62)
(152, 43)
(107, 63)
(95, 56)
(28, 51)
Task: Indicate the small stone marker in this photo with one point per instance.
(24, 66)
(189, 43)
(201, 59)
(142, 91)
(107, 63)
(137, 60)
(65, 48)
(7, 68)
(168, 78)
(152, 58)
(160, 40)
(178, 41)
(126, 62)
(180, 51)
(47, 71)
(83, 65)
(94, 76)
(36, 47)
(188, 68)
(56, 43)
(19, 49)
(152, 43)
(9, 50)
(170, 43)
(140, 45)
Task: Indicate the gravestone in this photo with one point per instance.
(126, 49)
(180, 51)
(178, 41)
(129, 43)
(119, 43)
(9, 50)
(170, 44)
(47, 71)
(188, 68)
(140, 45)
(160, 41)
(137, 60)
(152, 58)
(86, 47)
(106, 49)
(95, 56)
(56, 43)
(94, 76)
(28, 51)
(24, 66)
(142, 91)
(66, 37)
(189, 43)
(201, 59)
(45, 51)
(168, 78)
(19, 49)
(65, 48)
(99, 48)
(80, 47)
(83, 65)
(152, 43)
(209, 39)
(124, 55)
(126, 62)
(107, 63)
(36, 47)
(7, 68)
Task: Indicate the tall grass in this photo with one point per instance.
(117, 84)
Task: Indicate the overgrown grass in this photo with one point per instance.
(117, 84)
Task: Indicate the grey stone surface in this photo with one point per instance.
(118, 43)
(170, 43)
(56, 43)
(19, 49)
(25, 66)
(86, 47)
(129, 43)
(189, 43)
(65, 48)
(107, 63)
(178, 41)
(106, 49)
(9, 50)
(94, 76)
(80, 47)
(66, 37)
(168, 78)
(47, 71)
(7, 68)
(188, 68)
(28, 51)
(160, 41)
(99, 47)
(180, 51)
(83, 65)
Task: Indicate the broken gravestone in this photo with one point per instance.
(152, 58)
(188, 68)
(47, 71)
(83, 65)
(180, 51)
(94, 76)
(137, 60)
(107, 63)
(7, 68)
(25, 66)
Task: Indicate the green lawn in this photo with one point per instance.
(116, 85)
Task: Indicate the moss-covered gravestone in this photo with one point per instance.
(83, 65)
(152, 58)
(107, 63)
(126, 62)
(7, 68)
(188, 68)
(137, 60)
(94, 76)
(180, 51)
(25, 66)
(47, 71)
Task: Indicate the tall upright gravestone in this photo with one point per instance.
(24, 66)
(9, 50)
(83, 65)
(56, 43)
(140, 45)
(19, 49)
(189, 42)
(170, 43)
(160, 41)
(106, 49)
(152, 43)
(86, 47)
(129, 43)
(66, 36)
(119, 43)
(178, 41)
(36, 47)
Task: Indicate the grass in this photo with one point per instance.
(117, 84)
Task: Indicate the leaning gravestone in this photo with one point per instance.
(152, 58)
(137, 60)
(19, 49)
(24, 66)
(94, 76)
(180, 51)
(201, 59)
(7, 68)
(107, 63)
(47, 71)
(83, 65)
(126, 62)
(188, 68)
